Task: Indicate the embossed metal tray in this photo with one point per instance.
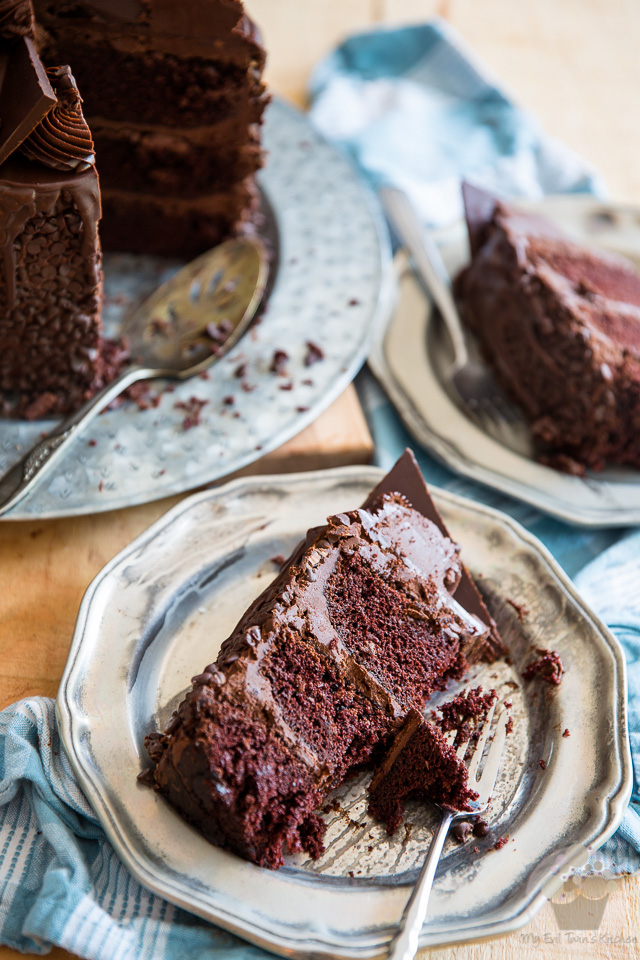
(332, 284)
(159, 611)
(411, 354)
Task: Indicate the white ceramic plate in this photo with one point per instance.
(159, 611)
(411, 354)
(331, 287)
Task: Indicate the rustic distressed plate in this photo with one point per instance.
(332, 284)
(411, 355)
(159, 611)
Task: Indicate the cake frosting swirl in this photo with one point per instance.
(62, 140)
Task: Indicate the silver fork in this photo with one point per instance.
(405, 942)
(473, 383)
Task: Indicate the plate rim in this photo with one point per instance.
(562, 507)
(70, 724)
(343, 378)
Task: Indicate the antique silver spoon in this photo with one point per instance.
(190, 321)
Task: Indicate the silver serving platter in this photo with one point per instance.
(410, 356)
(159, 611)
(332, 284)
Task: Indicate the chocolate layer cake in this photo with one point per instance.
(560, 325)
(372, 613)
(51, 355)
(173, 94)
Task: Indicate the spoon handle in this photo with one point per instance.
(23, 475)
(427, 260)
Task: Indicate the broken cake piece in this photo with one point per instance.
(422, 764)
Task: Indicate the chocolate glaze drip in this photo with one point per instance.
(16, 19)
(62, 140)
(21, 199)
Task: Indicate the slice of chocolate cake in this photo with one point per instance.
(174, 97)
(373, 612)
(560, 325)
(51, 355)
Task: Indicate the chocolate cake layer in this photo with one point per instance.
(357, 631)
(173, 93)
(151, 159)
(175, 225)
(560, 324)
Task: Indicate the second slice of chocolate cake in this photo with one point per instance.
(373, 612)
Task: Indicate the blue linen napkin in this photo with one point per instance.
(416, 109)
(440, 115)
(61, 881)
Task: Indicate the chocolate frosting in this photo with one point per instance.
(62, 139)
(16, 19)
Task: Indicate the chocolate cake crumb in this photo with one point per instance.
(565, 733)
(229, 400)
(247, 387)
(301, 409)
(240, 371)
(279, 362)
(278, 559)
(547, 667)
(465, 713)
(354, 302)
(543, 765)
(499, 844)
(509, 726)
(286, 386)
(193, 407)
(92, 443)
(314, 354)
(520, 609)
(307, 383)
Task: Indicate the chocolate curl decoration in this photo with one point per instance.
(16, 19)
(62, 140)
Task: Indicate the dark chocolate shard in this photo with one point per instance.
(26, 95)
(405, 478)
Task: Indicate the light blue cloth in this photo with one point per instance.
(60, 880)
(414, 108)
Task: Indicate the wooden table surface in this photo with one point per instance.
(576, 64)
